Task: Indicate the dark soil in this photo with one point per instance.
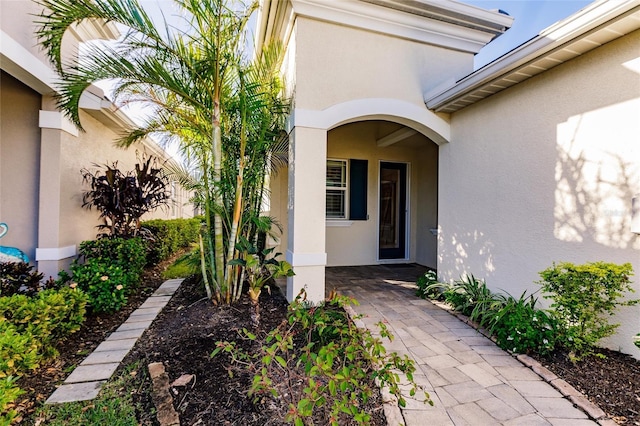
(612, 382)
(186, 331)
(183, 337)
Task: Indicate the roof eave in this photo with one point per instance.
(603, 21)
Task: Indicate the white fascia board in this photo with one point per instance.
(383, 20)
(56, 120)
(24, 66)
(551, 38)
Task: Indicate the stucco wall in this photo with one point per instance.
(543, 172)
(335, 64)
(19, 163)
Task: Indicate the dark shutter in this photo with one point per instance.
(358, 189)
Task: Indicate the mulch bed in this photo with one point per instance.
(183, 337)
(612, 382)
(185, 333)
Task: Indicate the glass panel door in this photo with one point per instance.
(393, 212)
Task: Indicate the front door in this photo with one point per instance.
(393, 211)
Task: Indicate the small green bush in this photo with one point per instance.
(169, 236)
(428, 286)
(18, 352)
(47, 317)
(320, 360)
(583, 297)
(522, 328)
(18, 277)
(106, 285)
(29, 329)
(111, 269)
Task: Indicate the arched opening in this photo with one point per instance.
(381, 195)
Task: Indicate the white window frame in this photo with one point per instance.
(345, 190)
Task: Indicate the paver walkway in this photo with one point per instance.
(85, 382)
(471, 380)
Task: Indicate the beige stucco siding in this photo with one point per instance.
(543, 172)
(19, 163)
(337, 64)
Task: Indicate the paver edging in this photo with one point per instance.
(127, 344)
(570, 393)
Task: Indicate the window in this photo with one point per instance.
(347, 189)
(336, 189)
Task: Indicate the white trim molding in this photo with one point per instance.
(56, 120)
(445, 23)
(339, 223)
(57, 253)
(417, 117)
(306, 259)
(25, 66)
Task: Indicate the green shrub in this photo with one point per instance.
(18, 277)
(9, 392)
(320, 360)
(522, 328)
(29, 329)
(583, 297)
(428, 286)
(169, 236)
(18, 352)
(106, 285)
(49, 316)
(112, 268)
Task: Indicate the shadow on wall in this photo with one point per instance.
(465, 247)
(594, 188)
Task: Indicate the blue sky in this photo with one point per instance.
(530, 17)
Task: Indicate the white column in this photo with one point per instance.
(50, 256)
(306, 212)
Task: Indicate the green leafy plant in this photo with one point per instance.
(108, 270)
(583, 298)
(471, 296)
(521, 327)
(122, 198)
(428, 286)
(636, 340)
(30, 327)
(258, 269)
(320, 362)
(106, 285)
(9, 392)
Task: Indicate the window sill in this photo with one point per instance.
(334, 223)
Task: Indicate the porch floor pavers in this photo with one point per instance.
(85, 382)
(470, 379)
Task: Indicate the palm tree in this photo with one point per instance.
(220, 109)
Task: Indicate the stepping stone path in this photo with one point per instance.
(85, 382)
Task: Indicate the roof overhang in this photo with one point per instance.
(591, 27)
(445, 23)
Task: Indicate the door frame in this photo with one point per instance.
(407, 227)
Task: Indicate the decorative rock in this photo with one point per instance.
(167, 415)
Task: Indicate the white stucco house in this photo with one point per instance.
(42, 153)
(401, 152)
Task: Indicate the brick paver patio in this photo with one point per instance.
(471, 380)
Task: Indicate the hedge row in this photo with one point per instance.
(169, 236)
